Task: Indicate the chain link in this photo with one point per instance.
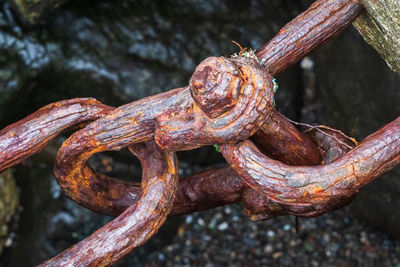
(229, 102)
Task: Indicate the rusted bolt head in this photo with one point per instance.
(215, 85)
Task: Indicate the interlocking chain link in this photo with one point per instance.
(229, 102)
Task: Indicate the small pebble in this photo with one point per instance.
(8, 242)
(207, 238)
(268, 248)
(223, 226)
(161, 256)
(307, 63)
(219, 216)
(287, 227)
(270, 233)
(189, 219)
(277, 255)
(200, 222)
(227, 210)
(212, 224)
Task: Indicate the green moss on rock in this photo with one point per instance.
(380, 27)
(8, 204)
(33, 10)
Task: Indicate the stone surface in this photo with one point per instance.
(380, 27)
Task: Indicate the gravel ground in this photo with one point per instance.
(225, 236)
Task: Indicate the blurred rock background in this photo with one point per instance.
(121, 51)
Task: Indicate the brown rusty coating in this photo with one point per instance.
(31, 134)
(209, 189)
(322, 21)
(260, 207)
(204, 190)
(226, 102)
(298, 22)
(279, 139)
(333, 144)
(241, 95)
(233, 96)
(126, 125)
(221, 186)
(323, 186)
(200, 191)
(137, 223)
(142, 120)
(208, 85)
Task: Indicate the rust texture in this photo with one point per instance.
(31, 134)
(281, 140)
(332, 145)
(321, 22)
(228, 102)
(204, 190)
(247, 96)
(138, 222)
(323, 186)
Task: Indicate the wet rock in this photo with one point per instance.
(8, 205)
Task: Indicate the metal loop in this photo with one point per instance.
(137, 223)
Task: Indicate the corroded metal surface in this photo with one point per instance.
(316, 26)
(137, 223)
(31, 134)
(229, 103)
(325, 185)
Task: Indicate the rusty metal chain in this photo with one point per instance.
(274, 168)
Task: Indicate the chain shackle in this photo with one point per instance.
(232, 97)
(320, 186)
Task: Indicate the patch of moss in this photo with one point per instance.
(8, 203)
(33, 10)
(380, 26)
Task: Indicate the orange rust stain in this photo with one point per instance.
(296, 134)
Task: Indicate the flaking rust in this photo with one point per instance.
(228, 103)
